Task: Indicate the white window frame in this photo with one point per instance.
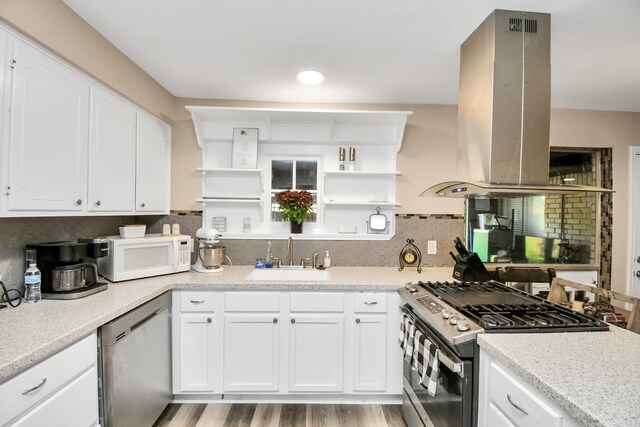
(277, 226)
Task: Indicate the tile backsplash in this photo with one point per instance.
(441, 228)
(15, 233)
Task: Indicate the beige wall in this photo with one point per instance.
(57, 27)
(427, 155)
(579, 128)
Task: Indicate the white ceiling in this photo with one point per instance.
(371, 51)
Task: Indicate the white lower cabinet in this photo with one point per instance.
(286, 343)
(507, 400)
(62, 390)
(316, 352)
(197, 352)
(251, 352)
(369, 353)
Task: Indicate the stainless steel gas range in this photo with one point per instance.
(440, 322)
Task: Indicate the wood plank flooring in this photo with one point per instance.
(279, 415)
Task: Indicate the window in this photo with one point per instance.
(294, 174)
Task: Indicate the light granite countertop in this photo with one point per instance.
(32, 332)
(593, 376)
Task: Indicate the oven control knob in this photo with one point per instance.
(463, 326)
(453, 319)
(446, 313)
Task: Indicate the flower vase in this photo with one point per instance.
(295, 227)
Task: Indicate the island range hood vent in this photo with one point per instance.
(504, 110)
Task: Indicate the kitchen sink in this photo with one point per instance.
(289, 274)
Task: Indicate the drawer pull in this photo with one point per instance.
(371, 302)
(197, 302)
(44, 380)
(516, 406)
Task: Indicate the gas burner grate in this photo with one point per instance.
(497, 307)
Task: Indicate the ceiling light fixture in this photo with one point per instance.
(310, 77)
(568, 179)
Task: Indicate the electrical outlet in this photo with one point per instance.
(432, 247)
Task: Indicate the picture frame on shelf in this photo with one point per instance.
(245, 148)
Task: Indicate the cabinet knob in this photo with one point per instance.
(638, 274)
(637, 259)
(208, 319)
(293, 320)
(98, 203)
(142, 205)
(357, 320)
(79, 202)
(275, 320)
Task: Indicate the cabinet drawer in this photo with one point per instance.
(197, 301)
(76, 405)
(506, 392)
(37, 383)
(252, 301)
(370, 302)
(329, 302)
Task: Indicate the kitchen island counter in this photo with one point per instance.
(593, 376)
(33, 332)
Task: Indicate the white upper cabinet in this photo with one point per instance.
(112, 153)
(71, 146)
(49, 134)
(153, 165)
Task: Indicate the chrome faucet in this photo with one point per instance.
(290, 250)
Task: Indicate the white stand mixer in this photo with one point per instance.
(210, 256)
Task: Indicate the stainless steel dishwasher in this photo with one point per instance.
(136, 365)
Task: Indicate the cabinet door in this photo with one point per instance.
(74, 405)
(197, 352)
(316, 352)
(370, 353)
(6, 48)
(49, 133)
(251, 352)
(112, 155)
(153, 163)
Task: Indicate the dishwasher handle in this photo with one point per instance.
(114, 331)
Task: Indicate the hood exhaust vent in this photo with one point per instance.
(504, 110)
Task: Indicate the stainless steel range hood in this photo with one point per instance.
(504, 109)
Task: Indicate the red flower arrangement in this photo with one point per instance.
(295, 205)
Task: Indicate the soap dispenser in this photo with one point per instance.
(327, 259)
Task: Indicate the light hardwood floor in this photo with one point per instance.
(280, 415)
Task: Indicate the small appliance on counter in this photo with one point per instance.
(151, 255)
(468, 265)
(211, 254)
(69, 269)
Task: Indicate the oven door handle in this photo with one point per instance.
(455, 367)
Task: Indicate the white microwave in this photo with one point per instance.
(151, 255)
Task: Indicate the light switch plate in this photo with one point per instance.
(432, 247)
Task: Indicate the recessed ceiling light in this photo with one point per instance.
(310, 77)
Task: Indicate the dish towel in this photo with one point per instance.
(407, 333)
(425, 362)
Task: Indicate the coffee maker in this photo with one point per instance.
(69, 269)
